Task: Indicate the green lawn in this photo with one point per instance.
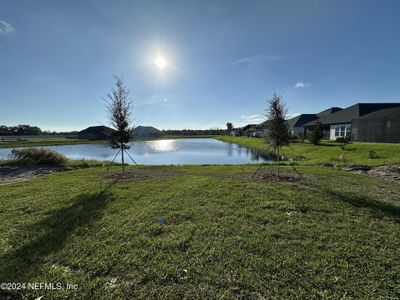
(54, 141)
(328, 152)
(50, 141)
(224, 235)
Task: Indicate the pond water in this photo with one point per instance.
(163, 152)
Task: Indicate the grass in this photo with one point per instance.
(328, 152)
(222, 235)
(34, 156)
(50, 141)
(56, 141)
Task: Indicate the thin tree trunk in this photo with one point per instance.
(277, 151)
(123, 163)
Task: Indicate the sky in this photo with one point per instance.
(224, 59)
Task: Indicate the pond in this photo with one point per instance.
(163, 152)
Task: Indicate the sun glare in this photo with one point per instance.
(161, 62)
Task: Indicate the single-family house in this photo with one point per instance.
(96, 133)
(146, 132)
(296, 124)
(379, 126)
(339, 123)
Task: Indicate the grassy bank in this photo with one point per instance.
(202, 232)
(55, 141)
(51, 141)
(328, 152)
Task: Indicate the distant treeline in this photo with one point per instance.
(34, 130)
(28, 130)
(212, 131)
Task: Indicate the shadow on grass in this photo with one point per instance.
(50, 235)
(363, 201)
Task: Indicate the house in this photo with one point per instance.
(339, 123)
(249, 130)
(96, 133)
(145, 132)
(380, 126)
(253, 130)
(296, 124)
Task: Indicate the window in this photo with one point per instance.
(342, 131)
(348, 131)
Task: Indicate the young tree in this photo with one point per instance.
(229, 127)
(343, 141)
(317, 134)
(278, 134)
(119, 107)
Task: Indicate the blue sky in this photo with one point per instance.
(224, 59)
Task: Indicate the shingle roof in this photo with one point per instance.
(97, 129)
(147, 129)
(393, 112)
(352, 112)
(300, 120)
(328, 111)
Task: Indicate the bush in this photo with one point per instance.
(343, 141)
(302, 137)
(372, 154)
(35, 156)
(317, 134)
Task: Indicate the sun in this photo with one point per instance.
(160, 62)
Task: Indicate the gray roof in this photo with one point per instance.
(147, 129)
(393, 112)
(300, 120)
(350, 113)
(97, 129)
(328, 111)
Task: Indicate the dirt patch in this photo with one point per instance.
(128, 175)
(145, 173)
(266, 175)
(280, 178)
(10, 174)
(386, 172)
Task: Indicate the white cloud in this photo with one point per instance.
(258, 59)
(156, 99)
(6, 28)
(301, 84)
(252, 119)
(247, 117)
(289, 116)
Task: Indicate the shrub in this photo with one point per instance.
(372, 154)
(301, 137)
(343, 141)
(36, 156)
(317, 134)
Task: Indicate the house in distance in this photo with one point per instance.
(146, 132)
(361, 122)
(366, 122)
(95, 133)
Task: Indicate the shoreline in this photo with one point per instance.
(56, 141)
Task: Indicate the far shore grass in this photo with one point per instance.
(56, 141)
(327, 152)
(48, 141)
(201, 232)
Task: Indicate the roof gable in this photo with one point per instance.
(300, 120)
(350, 113)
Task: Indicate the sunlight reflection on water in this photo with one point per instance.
(164, 152)
(162, 145)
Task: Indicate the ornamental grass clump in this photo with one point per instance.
(36, 156)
